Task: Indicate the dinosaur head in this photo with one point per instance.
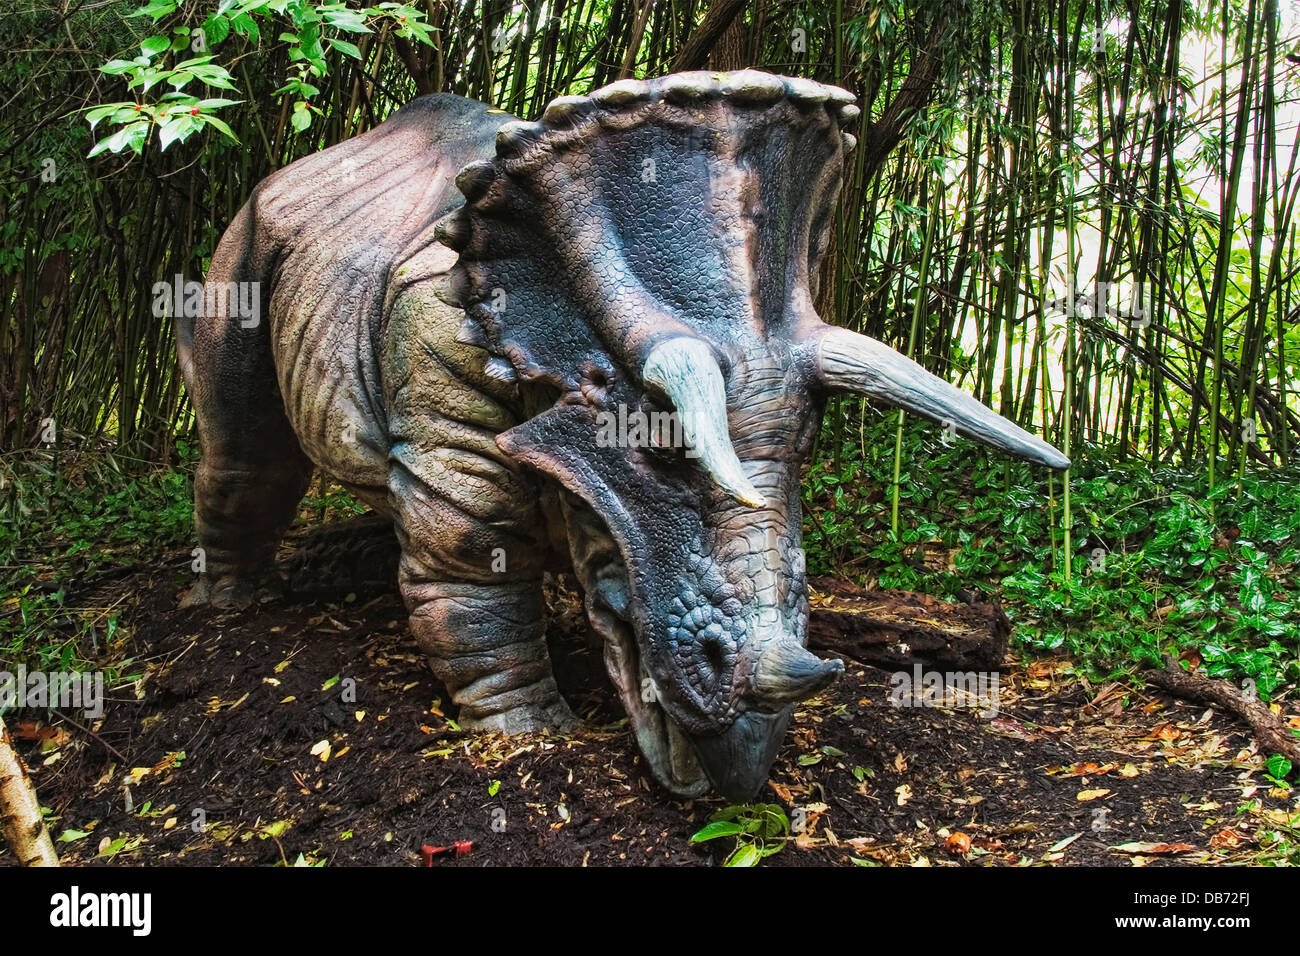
(647, 257)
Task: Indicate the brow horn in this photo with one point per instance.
(685, 370)
(849, 362)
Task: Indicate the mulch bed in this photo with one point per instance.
(310, 731)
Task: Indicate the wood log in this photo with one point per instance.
(1270, 730)
(895, 630)
(21, 822)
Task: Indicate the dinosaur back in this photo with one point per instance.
(329, 233)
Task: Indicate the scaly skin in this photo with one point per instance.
(380, 395)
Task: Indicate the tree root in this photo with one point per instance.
(1270, 730)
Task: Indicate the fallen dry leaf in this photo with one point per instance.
(1057, 850)
(1088, 769)
(1085, 795)
(1012, 728)
(168, 762)
(812, 812)
(1166, 732)
(1155, 849)
(215, 704)
(1225, 839)
(958, 843)
(1048, 668)
(31, 730)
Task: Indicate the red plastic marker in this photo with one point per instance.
(459, 848)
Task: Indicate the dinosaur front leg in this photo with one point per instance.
(469, 522)
(471, 578)
(487, 644)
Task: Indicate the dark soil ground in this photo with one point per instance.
(309, 731)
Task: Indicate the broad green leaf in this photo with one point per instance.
(719, 828)
(747, 855)
(118, 67)
(221, 126)
(343, 46)
(216, 29)
(157, 9)
(152, 46)
(173, 129)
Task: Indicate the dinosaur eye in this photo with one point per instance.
(594, 385)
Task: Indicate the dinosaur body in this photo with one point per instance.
(454, 305)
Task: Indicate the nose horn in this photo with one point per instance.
(787, 673)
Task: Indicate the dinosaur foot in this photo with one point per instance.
(232, 592)
(554, 715)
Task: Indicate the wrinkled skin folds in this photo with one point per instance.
(457, 306)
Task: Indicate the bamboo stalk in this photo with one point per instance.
(932, 220)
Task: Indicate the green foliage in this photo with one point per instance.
(760, 829)
(68, 518)
(71, 517)
(1156, 571)
(1278, 767)
(334, 503)
(312, 29)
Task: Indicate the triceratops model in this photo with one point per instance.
(458, 314)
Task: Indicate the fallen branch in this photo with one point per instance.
(1270, 730)
(21, 822)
